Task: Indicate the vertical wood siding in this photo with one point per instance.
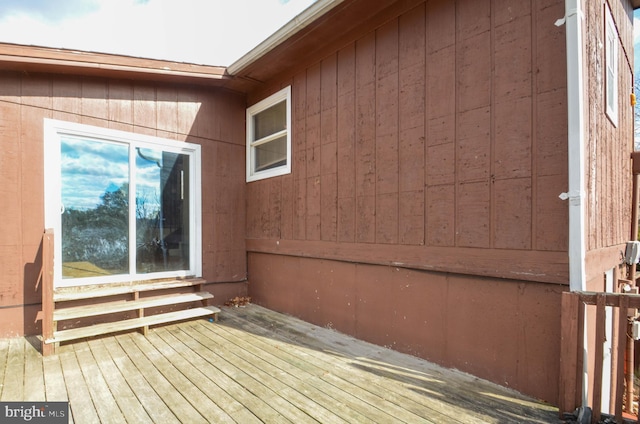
(200, 116)
(443, 128)
(608, 146)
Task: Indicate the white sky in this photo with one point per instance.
(210, 32)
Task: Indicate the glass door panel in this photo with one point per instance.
(162, 211)
(95, 208)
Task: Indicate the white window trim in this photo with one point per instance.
(611, 39)
(53, 132)
(282, 95)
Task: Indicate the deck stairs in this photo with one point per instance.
(121, 307)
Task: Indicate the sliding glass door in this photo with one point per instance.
(124, 206)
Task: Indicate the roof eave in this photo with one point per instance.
(51, 60)
(301, 21)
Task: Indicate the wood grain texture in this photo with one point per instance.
(443, 137)
(550, 267)
(254, 366)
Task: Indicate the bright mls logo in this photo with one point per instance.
(34, 412)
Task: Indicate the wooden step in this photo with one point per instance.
(63, 294)
(128, 305)
(130, 324)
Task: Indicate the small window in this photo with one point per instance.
(269, 136)
(611, 64)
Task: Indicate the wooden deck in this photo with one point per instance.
(252, 366)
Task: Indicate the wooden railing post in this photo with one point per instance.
(47, 292)
(620, 352)
(598, 357)
(570, 347)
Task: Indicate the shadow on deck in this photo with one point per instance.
(254, 365)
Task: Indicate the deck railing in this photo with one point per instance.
(572, 351)
(47, 291)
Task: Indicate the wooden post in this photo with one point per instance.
(635, 199)
(570, 346)
(598, 357)
(619, 370)
(47, 292)
(582, 307)
(136, 297)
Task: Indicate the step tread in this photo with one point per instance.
(127, 305)
(130, 324)
(63, 294)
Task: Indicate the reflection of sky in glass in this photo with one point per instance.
(89, 169)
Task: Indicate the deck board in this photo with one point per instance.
(83, 410)
(167, 389)
(34, 388)
(239, 403)
(334, 393)
(145, 393)
(13, 389)
(54, 385)
(293, 406)
(327, 363)
(4, 355)
(104, 402)
(126, 398)
(262, 357)
(233, 380)
(252, 366)
(380, 401)
(164, 361)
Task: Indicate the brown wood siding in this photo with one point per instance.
(608, 147)
(208, 117)
(443, 127)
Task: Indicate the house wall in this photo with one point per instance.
(422, 211)
(608, 147)
(608, 182)
(213, 119)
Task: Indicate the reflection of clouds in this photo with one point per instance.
(92, 167)
(74, 147)
(89, 169)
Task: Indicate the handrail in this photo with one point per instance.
(47, 291)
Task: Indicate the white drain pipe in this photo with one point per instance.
(573, 21)
(576, 136)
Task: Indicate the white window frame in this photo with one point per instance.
(252, 174)
(54, 131)
(611, 67)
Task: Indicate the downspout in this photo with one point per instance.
(573, 21)
(576, 135)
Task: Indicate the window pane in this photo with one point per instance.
(272, 154)
(270, 121)
(162, 215)
(610, 89)
(95, 216)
